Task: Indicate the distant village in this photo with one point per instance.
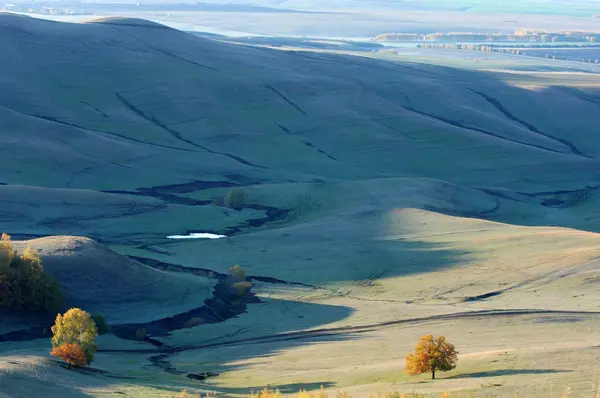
(41, 10)
(523, 35)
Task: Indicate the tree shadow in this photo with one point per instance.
(507, 372)
(291, 388)
(29, 384)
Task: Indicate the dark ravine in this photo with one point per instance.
(286, 99)
(177, 135)
(167, 193)
(309, 144)
(170, 267)
(104, 115)
(199, 185)
(223, 305)
(275, 281)
(478, 130)
(161, 361)
(32, 333)
(273, 214)
(485, 214)
(482, 296)
(54, 120)
(187, 187)
(189, 61)
(498, 105)
(582, 95)
(168, 198)
(207, 273)
(349, 330)
(563, 198)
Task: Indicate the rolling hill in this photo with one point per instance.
(386, 200)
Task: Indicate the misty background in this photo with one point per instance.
(360, 19)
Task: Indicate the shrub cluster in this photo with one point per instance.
(268, 393)
(236, 274)
(190, 323)
(236, 279)
(101, 324)
(24, 286)
(186, 394)
(140, 333)
(236, 198)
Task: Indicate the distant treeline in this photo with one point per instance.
(518, 36)
(514, 51)
(505, 46)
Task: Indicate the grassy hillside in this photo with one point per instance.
(385, 200)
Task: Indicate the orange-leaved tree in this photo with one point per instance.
(431, 354)
(71, 353)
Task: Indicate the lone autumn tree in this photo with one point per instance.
(431, 354)
(75, 327)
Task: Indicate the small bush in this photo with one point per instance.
(267, 393)
(186, 394)
(195, 321)
(71, 353)
(140, 333)
(241, 288)
(237, 273)
(101, 324)
(236, 198)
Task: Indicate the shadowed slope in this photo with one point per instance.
(194, 106)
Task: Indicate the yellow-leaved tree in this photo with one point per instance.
(76, 327)
(431, 354)
(7, 251)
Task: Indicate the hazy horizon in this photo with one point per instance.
(337, 18)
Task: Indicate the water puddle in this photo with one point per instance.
(197, 235)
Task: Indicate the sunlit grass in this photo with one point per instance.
(268, 393)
